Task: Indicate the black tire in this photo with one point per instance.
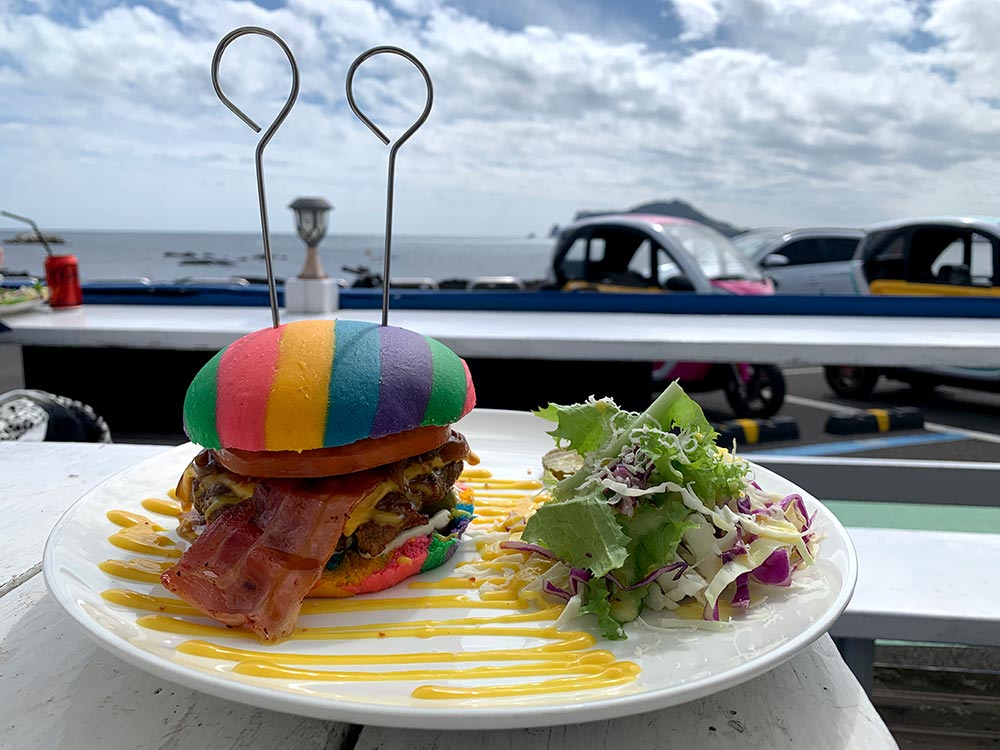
(851, 382)
(760, 397)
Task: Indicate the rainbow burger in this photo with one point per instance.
(328, 469)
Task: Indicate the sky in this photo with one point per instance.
(758, 112)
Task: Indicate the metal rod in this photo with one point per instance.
(391, 179)
(38, 232)
(264, 140)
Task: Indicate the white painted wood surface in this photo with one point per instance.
(924, 586)
(58, 690)
(785, 340)
(38, 481)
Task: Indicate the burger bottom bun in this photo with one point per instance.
(361, 575)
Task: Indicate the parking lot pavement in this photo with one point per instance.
(961, 425)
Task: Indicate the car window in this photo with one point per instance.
(596, 249)
(575, 259)
(840, 249)
(750, 243)
(888, 259)
(982, 261)
(819, 250)
(801, 252)
(950, 256)
(666, 266)
(641, 265)
(618, 256)
(713, 252)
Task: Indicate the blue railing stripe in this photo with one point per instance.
(255, 295)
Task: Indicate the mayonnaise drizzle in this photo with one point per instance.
(552, 660)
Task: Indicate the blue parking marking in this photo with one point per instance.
(867, 444)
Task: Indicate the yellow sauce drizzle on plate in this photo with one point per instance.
(161, 506)
(568, 658)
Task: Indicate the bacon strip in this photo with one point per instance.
(256, 561)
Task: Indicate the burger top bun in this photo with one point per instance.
(322, 384)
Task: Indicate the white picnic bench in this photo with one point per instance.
(57, 689)
(924, 586)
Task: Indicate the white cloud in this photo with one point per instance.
(808, 112)
(700, 18)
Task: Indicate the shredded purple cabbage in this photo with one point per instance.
(628, 476)
(551, 588)
(680, 567)
(800, 506)
(743, 506)
(577, 577)
(739, 547)
(727, 556)
(525, 547)
(713, 614)
(776, 570)
(741, 598)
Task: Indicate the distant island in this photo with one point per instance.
(676, 208)
(32, 237)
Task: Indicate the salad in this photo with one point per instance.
(27, 293)
(658, 518)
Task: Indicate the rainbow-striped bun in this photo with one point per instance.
(324, 383)
(351, 574)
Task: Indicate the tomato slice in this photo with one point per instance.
(331, 462)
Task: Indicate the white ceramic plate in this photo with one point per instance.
(18, 307)
(676, 666)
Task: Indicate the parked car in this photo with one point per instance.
(636, 253)
(664, 254)
(804, 261)
(950, 256)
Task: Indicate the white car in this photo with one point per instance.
(951, 256)
(804, 261)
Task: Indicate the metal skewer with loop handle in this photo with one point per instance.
(393, 148)
(264, 140)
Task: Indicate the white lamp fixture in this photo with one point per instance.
(312, 291)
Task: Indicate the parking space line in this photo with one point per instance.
(867, 444)
(891, 480)
(987, 437)
(881, 463)
(802, 371)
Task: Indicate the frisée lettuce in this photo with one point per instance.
(661, 518)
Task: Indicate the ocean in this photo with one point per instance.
(160, 256)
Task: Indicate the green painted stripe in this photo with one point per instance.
(915, 516)
(447, 387)
(199, 405)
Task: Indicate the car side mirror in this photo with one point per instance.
(679, 284)
(775, 260)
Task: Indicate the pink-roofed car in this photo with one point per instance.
(642, 253)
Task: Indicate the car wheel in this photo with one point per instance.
(851, 382)
(761, 395)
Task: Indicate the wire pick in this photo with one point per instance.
(228, 39)
(393, 148)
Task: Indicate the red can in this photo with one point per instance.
(63, 278)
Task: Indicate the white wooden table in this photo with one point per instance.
(788, 340)
(58, 690)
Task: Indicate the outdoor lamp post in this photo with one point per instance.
(310, 223)
(312, 291)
